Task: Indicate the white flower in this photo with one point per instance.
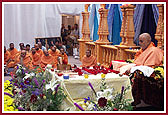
(90, 106)
(49, 66)
(107, 93)
(32, 74)
(27, 76)
(51, 86)
(18, 71)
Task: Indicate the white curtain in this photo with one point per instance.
(24, 22)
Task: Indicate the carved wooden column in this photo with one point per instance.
(129, 27)
(85, 32)
(127, 32)
(102, 32)
(123, 24)
(159, 36)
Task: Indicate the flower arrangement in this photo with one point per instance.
(106, 100)
(159, 73)
(36, 90)
(8, 100)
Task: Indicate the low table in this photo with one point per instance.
(77, 86)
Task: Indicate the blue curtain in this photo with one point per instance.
(155, 12)
(138, 17)
(93, 22)
(116, 39)
(110, 21)
(91, 19)
(148, 23)
(96, 26)
(114, 24)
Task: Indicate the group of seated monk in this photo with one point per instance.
(35, 57)
(148, 55)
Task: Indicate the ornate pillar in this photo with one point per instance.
(127, 32)
(102, 32)
(123, 25)
(85, 32)
(129, 26)
(103, 26)
(159, 36)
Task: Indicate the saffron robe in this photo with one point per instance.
(151, 57)
(36, 59)
(7, 56)
(89, 61)
(47, 60)
(27, 61)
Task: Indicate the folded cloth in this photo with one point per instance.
(147, 71)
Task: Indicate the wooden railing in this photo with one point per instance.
(108, 54)
(91, 46)
(130, 53)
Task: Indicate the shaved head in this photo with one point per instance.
(23, 53)
(144, 40)
(36, 46)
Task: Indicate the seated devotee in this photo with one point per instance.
(38, 50)
(63, 61)
(21, 45)
(25, 60)
(47, 59)
(63, 56)
(148, 55)
(36, 59)
(41, 47)
(6, 56)
(28, 48)
(54, 52)
(13, 51)
(89, 60)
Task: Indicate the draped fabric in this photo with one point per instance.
(155, 12)
(110, 21)
(24, 22)
(96, 26)
(114, 24)
(139, 15)
(148, 23)
(93, 22)
(91, 19)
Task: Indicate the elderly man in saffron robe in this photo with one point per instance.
(24, 59)
(148, 55)
(89, 60)
(47, 59)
